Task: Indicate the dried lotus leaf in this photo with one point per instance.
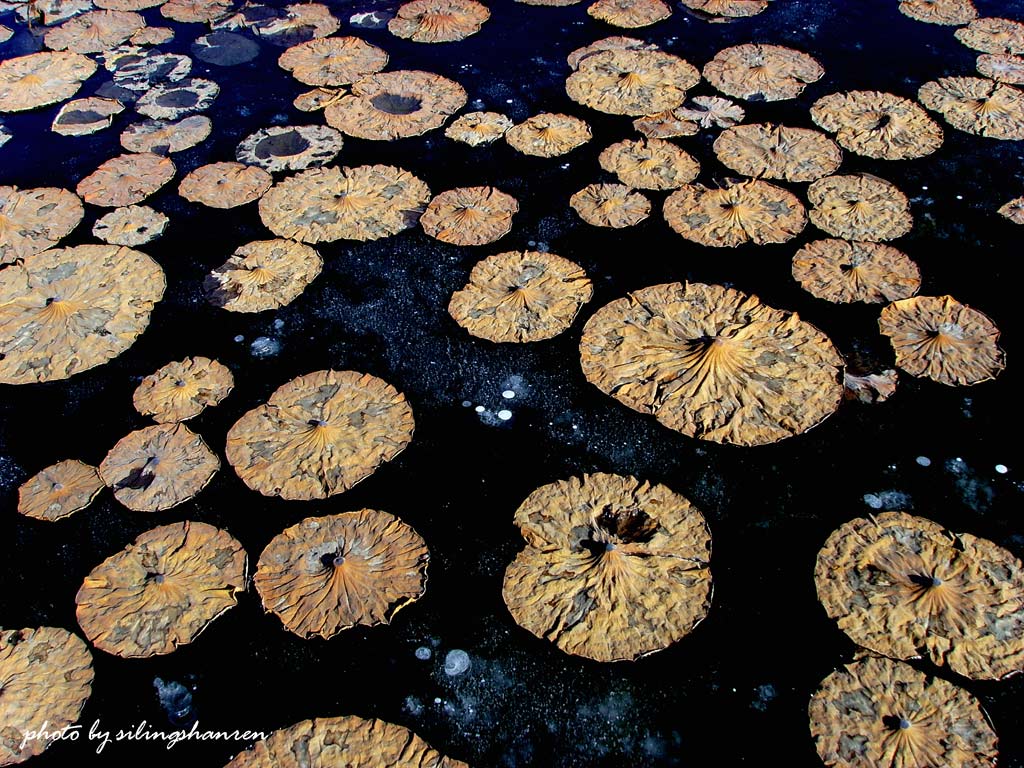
(318, 98)
(879, 125)
(127, 5)
(548, 135)
(225, 49)
(993, 35)
(126, 180)
(297, 23)
(142, 72)
(700, 113)
(225, 185)
(976, 105)
(870, 388)
(438, 21)
(631, 82)
(610, 205)
(163, 137)
(730, 9)
(59, 490)
(82, 117)
(665, 125)
(615, 43)
(768, 72)
(1003, 67)
(469, 215)
(764, 150)
(32, 220)
(630, 14)
(843, 272)
(94, 32)
(1013, 210)
(290, 147)
(476, 128)
(131, 225)
(183, 389)
(152, 36)
(649, 164)
(40, 79)
(169, 101)
(333, 61)
(196, 11)
(266, 274)
(859, 207)
(950, 12)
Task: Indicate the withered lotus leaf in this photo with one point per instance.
(951, 12)
(225, 49)
(711, 112)
(993, 35)
(476, 128)
(59, 491)
(82, 117)
(631, 82)
(877, 712)
(610, 205)
(225, 185)
(152, 35)
(298, 23)
(331, 573)
(320, 434)
(47, 678)
(977, 105)
(870, 388)
(772, 151)
(713, 363)
(1014, 210)
(140, 72)
(266, 274)
(438, 21)
(39, 79)
(326, 204)
(32, 220)
(290, 147)
(163, 137)
(338, 741)
(859, 207)
(941, 339)
(131, 225)
(844, 272)
(613, 568)
(665, 125)
(6, 33)
(127, 5)
(67, 310)
(50, 12)
(548, 135)
(318, 98)
(162, 590)
(649, 164)
(879, 125)
(1003, 67)
(614, 43)
(196, 11)
(550, 3)
(904, 587)
(742, 211)
(630, 14)
(469, 215)
(169, 101)
(183, 389)
(521, 296)
(126, 180)
(769, 72)
(94, 31)
(156, 468)
(332, 61)
(728, 8)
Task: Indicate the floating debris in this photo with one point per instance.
(262, 275)
(183, 389)
(59, 491)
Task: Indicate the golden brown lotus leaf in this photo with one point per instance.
(39, 79)
(649, 164)
(32, 220)
(992, 35)
(941, 339)
(320, 434)
(183, 389)
(127, 5)
(6, 33)
(84, 116)
(977, 105)
(859, 207)
(631, 82)
(768, 72)
(844, 272)
(126, 180)
(196, 11)
(951, 12)
(266, 274)
(476, 128)
(713, 363)
(613, 568)
(905, 587)
(46, 675)
(59, 491)
(318, 98)
(131, 225)
(49, 12)
(630, 14)
(303, 21)
(665, 125)
(343, 741)
(290, 147)
(1002, 67)
(67, 310)
(327, 204)
(331, 573)
(548, 135)
(729, 8)
(139, 70)
(162, 590)
(879, 125)
(225, 185)
(521, 296)
(396, 105)
(772, 151)
(711, 112)
(152, 36)
(158, 467)
(332, 60)
(610, 205)
(879, 712)
(94, 31)
(742, 211)
(164, 137)
(550, 3)
(438, 21)
(1014, 210)
(870, 388)
(469, 215)
(615, 43)
(169, 101)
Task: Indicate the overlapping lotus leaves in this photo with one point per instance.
(951, 12)
(728, 8)
(47, 678)
(904, 587)
(337, 741)
(266, 274)
(1003, 67)
(438, 21)
(32, 220)
(877, 712)
(84, 116)
(843, 272)
(755, 71)
(131, 225)
(859, 207)
(39, 79)
(665, 125)
(870, 388)
(476, 128)
(745, 211)
(318, 98)
(614, 568)
(196, 11)
(1013, 210)
(610, 205)
(710, 112)
(225, 185)
(67, 310)
(126, 180)
(162, 137)
(941, 339)
(298, 23)
(879, 125)
(993, 35)
(183, 389)
(290, 147)
(649, 164)
(140, 73)
(169, 101)
(548, 135)
(320, 434)
(631, 14)
(333, 60)
(772, 151)
(977, 105)
(713, 363)
(396, 105)
(327, 574)
(50, 12)
(631, 82)
(615, 43)
(161, 590)
(469, 215)
(94, 31)
(225, 49)
(521, 296)
(152, 36)
(59, 491)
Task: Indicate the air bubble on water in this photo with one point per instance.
(479, 409)
(924, 461)
(508, 394)
(423, 653)
(1002, 469)
(466, 403)
(456, 662)
(872, 501)
(239, 338)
